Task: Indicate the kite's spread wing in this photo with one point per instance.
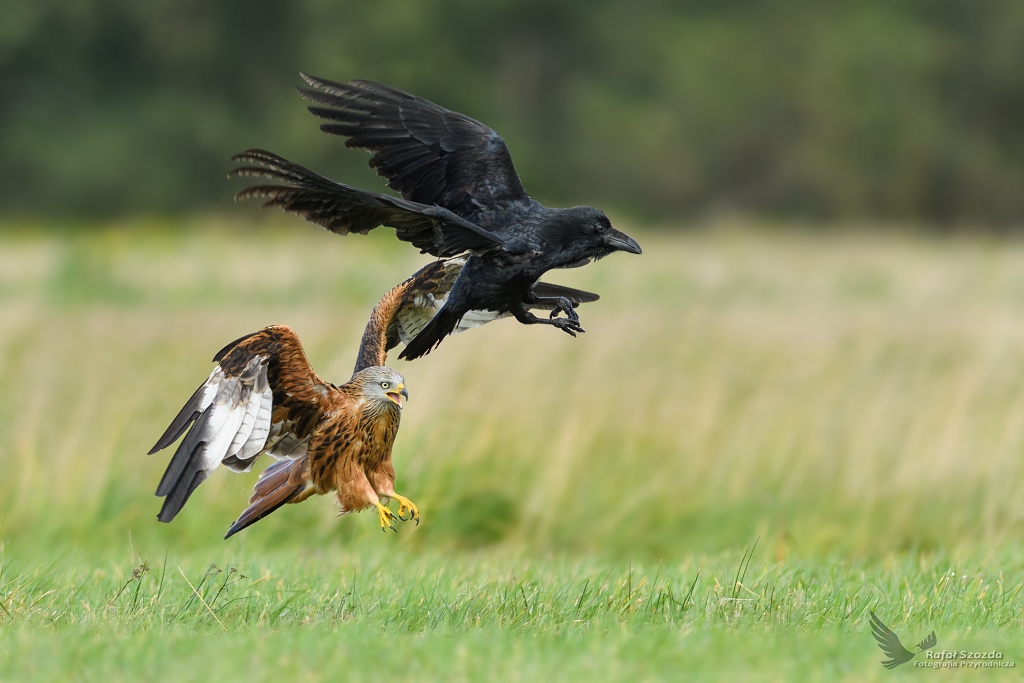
(405, 310)
(428, 153)
(263, 397)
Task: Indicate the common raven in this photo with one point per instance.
(460, 192)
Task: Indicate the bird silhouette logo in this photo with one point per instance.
(892, 647)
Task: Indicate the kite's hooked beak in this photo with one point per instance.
(620, 241)
(400, 390)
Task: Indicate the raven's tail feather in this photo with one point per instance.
(440, 326)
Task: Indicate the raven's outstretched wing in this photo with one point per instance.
(404, 311)
(344, 209)
(928, 643)
(428, 153)
(263, 397)
(890, 644)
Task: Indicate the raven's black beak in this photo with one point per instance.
(621, 242)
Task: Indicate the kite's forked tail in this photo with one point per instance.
(282, 483)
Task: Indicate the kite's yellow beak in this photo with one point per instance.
(396, 392)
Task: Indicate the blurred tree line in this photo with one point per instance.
(893, 109)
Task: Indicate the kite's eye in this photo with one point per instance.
(385, 385)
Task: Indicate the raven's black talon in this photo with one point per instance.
(568, 326)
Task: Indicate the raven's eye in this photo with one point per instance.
(385, 385)
(601, 227)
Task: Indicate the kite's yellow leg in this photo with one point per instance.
(406, 505)
(387, 517)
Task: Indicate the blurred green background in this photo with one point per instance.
(907, 111)
(798, 412)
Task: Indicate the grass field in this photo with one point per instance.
(764, 434)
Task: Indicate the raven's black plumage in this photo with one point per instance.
(343, 209)
(460, 192)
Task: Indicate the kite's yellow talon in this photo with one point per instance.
(387, 518)
(406, 505)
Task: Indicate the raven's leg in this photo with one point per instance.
(567, 325)
(561, 305)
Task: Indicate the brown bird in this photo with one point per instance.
(264, 397)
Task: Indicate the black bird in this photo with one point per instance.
(460, 192)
